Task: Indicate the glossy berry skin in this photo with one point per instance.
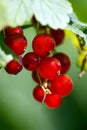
(35, 77)
(13, 67)
(10, 30)
(58, 35)
(61, 85)
(49, 67)
(53, 100)
(31, 61)
(43, 44)
(38, 93)
(17, 43)
(64, 60)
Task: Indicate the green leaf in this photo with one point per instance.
(14, 12)
(3, 16)
(4, 58)
(52, 13)
(77, 27)
(47, 12)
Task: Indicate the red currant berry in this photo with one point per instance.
(61, 85)
(31, 61)
(53, 100)
(49, 67)
(64, 60)
(43, 44)
(35, 77)
(38, 93)
(58, 35)
(13, 67)
(10, 30)
(17, 43)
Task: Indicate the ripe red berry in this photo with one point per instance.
(38, 93)
(64, 60)
(13, 67)
(61, 85)
(58, 35)
(53, 100)
(43, 44)
(49, 67)
(11, 30)
(17, 43)
(31, 61)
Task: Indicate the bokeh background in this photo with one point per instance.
(18, 109)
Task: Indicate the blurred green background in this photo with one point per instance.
(18, 109)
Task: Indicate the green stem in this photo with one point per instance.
(28, 26)
(47, 30)
(39, 78)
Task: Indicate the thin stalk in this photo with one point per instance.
(28, 26)
(39, 78)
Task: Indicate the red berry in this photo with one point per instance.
(13, 67)
(38, 93)
(31, 61)
(17, 43)
(49, 67)
(64, 60)
(58, 35)
(53, 100)
(35, 77)
(10, 30)
(61, 85)
(43, 44)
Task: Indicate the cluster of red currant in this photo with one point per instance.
(48, 67)
(17, 42)
(48, 71)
